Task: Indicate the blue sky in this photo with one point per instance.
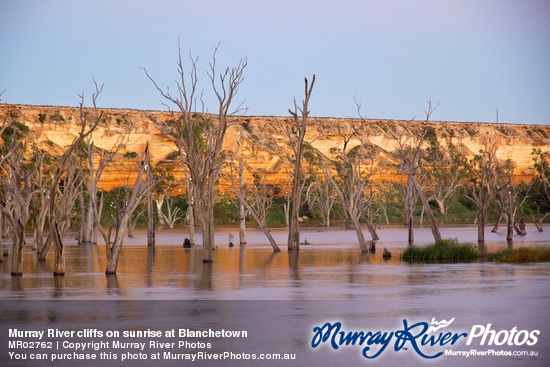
(471, 56)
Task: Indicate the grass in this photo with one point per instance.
(447, 249)
(521, 255)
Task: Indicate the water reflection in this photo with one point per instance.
(332, 267)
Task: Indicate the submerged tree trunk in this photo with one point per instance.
(481, 230)
(509, 229)
(150, 209)
(59, 263)
(99, 211)
(46, 248)
(424, 200)
(242, 224)
(410, 229)
(208, 237)
(113, 252)
(497, 224)
(360, 236)
(191, 214)
(17, 253)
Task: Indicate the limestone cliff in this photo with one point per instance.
(257, 136)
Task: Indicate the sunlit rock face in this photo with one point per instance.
(262, 143)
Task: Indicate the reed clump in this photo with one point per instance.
(448, 249)
(521, 255)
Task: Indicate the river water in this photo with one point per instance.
(280, 297)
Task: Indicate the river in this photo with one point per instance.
(281, 297)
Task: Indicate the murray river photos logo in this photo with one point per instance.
(427, 340)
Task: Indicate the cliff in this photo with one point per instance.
(257, 136)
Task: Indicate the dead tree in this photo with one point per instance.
(97, 160)
(320, 193)
(172, 211)
(200, 138)
(243, 191)
(296, 134)
(40, 205)
(257, 203)
(134, 220)
(288, 197)
(150, 211)
(67, 192)
(410, 198)
(87, 126)
(124, 213)
(482, 185)
(508, 198)
(354, 166)
(409, 150)
(19, 186)
(190, 192)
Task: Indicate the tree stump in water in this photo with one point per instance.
(372, 246)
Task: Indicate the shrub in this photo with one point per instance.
(521, 255)
(447, 249)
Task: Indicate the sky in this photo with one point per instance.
(471, 56)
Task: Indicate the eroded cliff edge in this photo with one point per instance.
(257, 136)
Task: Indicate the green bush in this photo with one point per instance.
(447, 249)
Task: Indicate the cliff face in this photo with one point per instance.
(257, 138)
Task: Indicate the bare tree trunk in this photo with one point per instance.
(59, 264)
(88, 223)
(190, 205)
(431, 217)
(208, 235)
(140, 188)
(17, 252)
(242, 209)
(114, 251)
(99, 212)
(80, 237)
(286, 207)
(370, 226)
(410, 227)
(261, 203)
(46, 248)
(360, 236)
(441, 205)
(510, 228)
(300, 123)
(242, 224)
(497, 224)
(191, 214)
(39, 223)
(261, 224)
(270, 238)
(481, 230)
(150, 209)
(326, 218)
